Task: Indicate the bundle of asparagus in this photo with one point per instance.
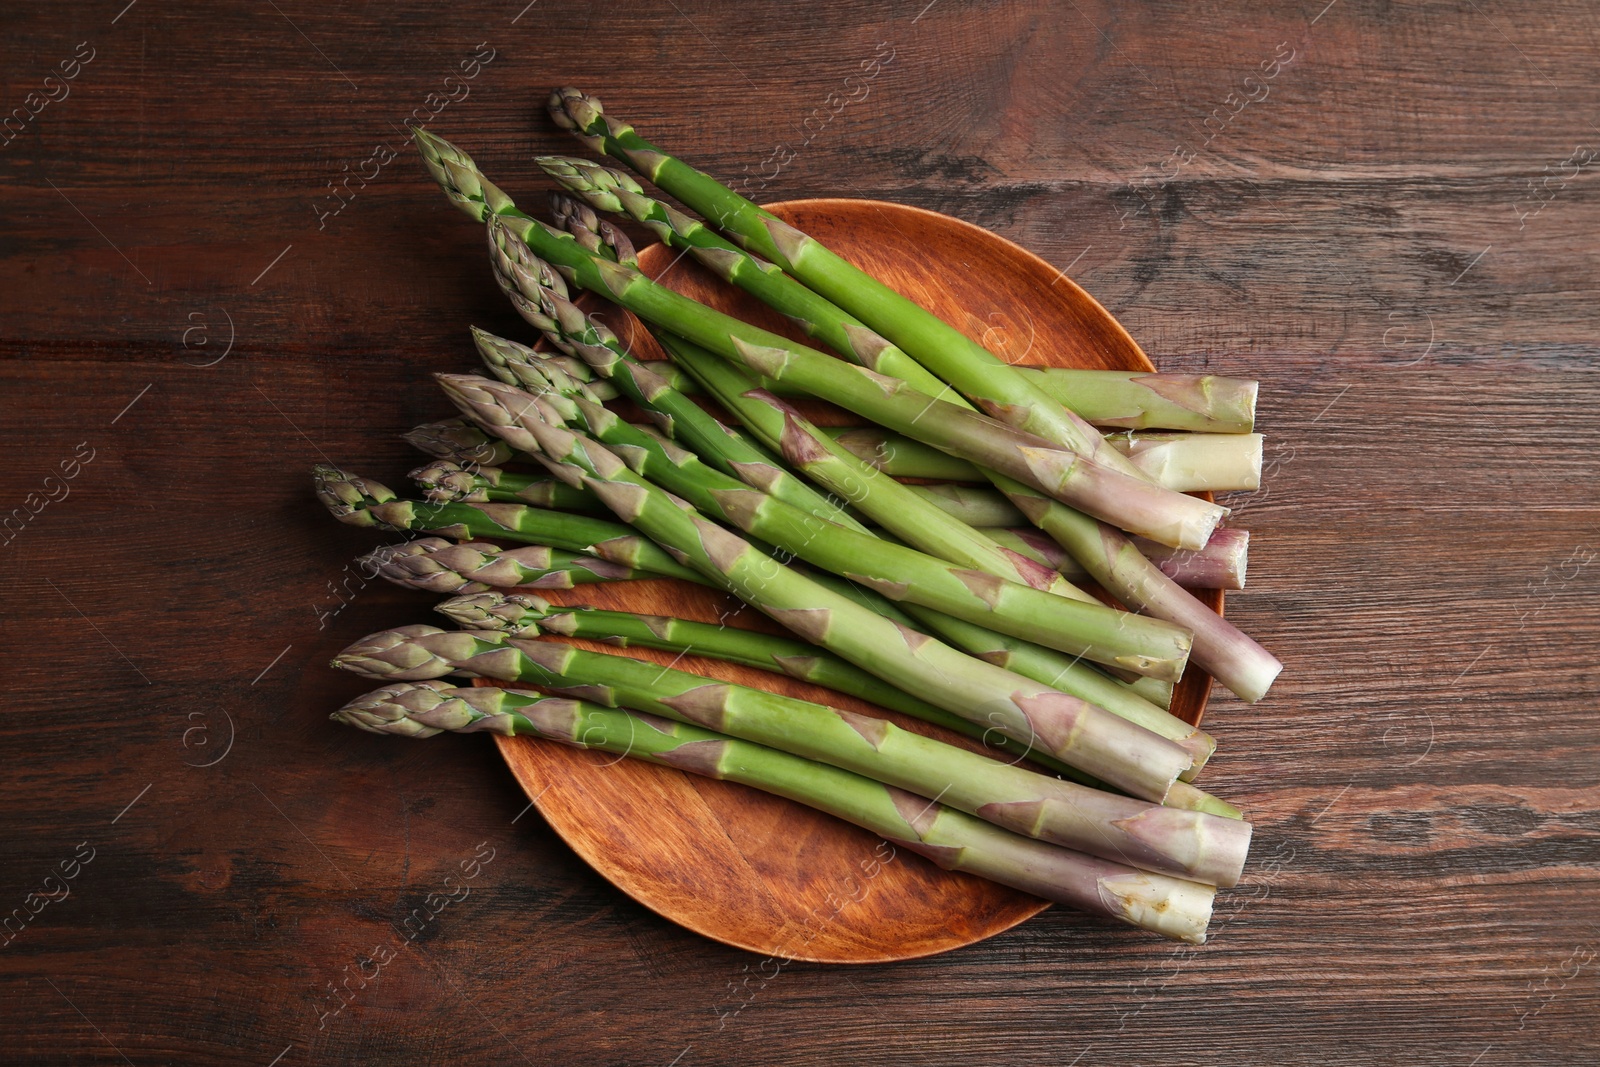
(961, 604)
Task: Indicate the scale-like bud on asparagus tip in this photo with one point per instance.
(595, 234)
(597, 183)
(460, 441)
(393, 654)
(422, 709)
(576, 113)
(349, 496)
(445, 481)
(513, 613)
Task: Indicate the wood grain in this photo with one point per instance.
(1422, 779)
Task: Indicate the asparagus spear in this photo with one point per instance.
(1087, 628)
(1109, 399)
(361, 501)
(973, 370)
(441, 566)
(526, 615)
(1117, 752)
(1184, 844)
(458, 440)
(445, 480)
(1187, 462)
(1134, 400)
(1126, 500)
(1168, 906)
(1219, 565)
(733, 454)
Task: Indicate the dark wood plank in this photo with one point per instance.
(1423, 775)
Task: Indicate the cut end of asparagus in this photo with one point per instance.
(517, 614)
(1171, 907)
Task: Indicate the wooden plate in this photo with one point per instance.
(755, 871)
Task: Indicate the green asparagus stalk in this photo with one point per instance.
(1110, 399)
(459, 440)
(1135, 400)
(1221, 564)
(1172, 907)
(1123, 755)
(975, 372)
(1186, 462)
(440, 566)
(445, 480)
(1130, 502)
(1184, 844)
(1086, 628)
(978, 505)
(363, 502)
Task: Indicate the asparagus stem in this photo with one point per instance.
(975, 372)
(1186, 462)
(363, 502)
(1135, 400)
(1220, 565)
(977, 505)
(608, 189)
(1113, 399)
(1171, 907)
(441, 566)
(1129, 501)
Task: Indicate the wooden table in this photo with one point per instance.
(1376, 209)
